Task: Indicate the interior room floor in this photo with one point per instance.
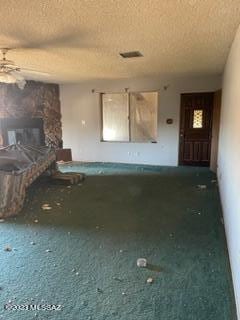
(81, 254)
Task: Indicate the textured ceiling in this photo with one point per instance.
(76, 40)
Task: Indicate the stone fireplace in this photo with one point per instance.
(31, 115)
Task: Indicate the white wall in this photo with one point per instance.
(81, 119)
(229, 160)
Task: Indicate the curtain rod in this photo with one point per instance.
(126, 90)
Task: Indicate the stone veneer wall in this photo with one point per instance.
(36, 100)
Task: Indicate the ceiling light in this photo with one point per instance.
(7, 77)
(10, 78)
(131, 54)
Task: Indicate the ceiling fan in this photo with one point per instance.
(11, 73)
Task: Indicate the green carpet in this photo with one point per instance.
(95, 233)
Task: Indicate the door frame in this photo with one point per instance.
(215, 129)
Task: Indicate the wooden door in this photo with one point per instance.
(196, 128)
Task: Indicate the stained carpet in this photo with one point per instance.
(81, 254)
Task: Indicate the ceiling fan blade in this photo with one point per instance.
(67, 38)
(7, 63)
(26, 70)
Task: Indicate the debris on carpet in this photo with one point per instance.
(8, 249)
(64, 162)
(150, 280)
(117, 279)
(46, 206)
(142, 263)
(202, 186)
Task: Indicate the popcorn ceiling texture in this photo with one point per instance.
(37, 100)
(80, 40)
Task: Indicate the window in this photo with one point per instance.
(115, 117)
(198, 119)
(129, 117)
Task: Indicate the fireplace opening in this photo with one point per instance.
(29, 136)
(27, 131)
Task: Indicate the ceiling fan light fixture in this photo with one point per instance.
(7, 78)
(11, 73)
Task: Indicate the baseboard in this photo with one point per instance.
(236, 287)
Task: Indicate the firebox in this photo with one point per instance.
(27, 131)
